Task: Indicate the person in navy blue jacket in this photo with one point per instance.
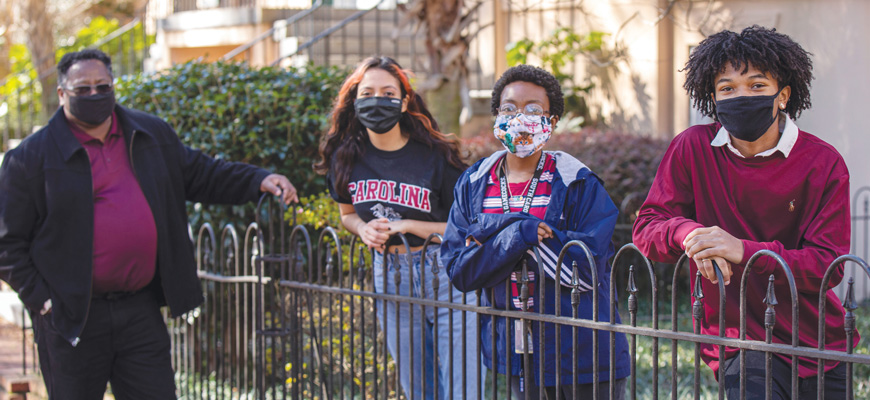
(514, 201)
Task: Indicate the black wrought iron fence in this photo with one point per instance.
(290, 314)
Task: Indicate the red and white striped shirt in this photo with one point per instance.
(518, 191)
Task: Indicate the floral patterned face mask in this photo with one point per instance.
(522, 134)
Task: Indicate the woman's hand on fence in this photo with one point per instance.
(375, 232)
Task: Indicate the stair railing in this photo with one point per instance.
(268, 33)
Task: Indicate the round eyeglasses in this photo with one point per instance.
(511, 110)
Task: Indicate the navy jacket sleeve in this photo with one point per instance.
(591, 219)
(211, 180)
(18, 219)
(504, 239)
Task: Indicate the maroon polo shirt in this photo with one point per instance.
(125, 237)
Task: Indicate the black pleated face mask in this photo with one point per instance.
(93, 109)
(747, 117)
(379, 114)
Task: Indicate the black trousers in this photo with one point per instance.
(835, 379)
(125, 342)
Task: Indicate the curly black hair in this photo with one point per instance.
(763, 48)
(68, 59)
(534, 75)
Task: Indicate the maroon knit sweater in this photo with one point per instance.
(797, 207)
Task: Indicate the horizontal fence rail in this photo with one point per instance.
(295, 314)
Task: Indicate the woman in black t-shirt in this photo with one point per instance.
(391, 170)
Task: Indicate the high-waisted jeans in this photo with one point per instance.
(425, 325)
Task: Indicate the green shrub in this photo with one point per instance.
(557, 54)
(269, 117)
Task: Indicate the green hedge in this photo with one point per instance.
(270, 117)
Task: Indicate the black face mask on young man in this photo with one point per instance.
(380, 114)
(747, 117)
(93, 110)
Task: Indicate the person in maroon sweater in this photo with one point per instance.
(748, 182)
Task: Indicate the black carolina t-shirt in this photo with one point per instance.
(414, 182)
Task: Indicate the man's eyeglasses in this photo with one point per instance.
(511, 110)
(85, 90)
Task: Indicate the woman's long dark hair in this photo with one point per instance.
(343, 143)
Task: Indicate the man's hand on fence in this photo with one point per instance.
(707, 270)
(705, 245)
(279, 185)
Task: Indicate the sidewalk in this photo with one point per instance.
(11, 356)
(11, 353)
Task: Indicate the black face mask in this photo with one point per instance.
(380, 114)
(747, 117)
(92, 110)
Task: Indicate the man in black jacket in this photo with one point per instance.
(93, 234)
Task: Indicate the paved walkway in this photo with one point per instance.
(12, 356)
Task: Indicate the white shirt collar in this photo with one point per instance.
(786, 141)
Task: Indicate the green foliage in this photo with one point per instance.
(21, 92)
(125, 59)
(556, 53)
(269, 117)
(19, 60)
(709, 386)
(319, 211)
(97, 29)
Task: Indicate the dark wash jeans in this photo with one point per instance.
(125, 342)
(835, 379)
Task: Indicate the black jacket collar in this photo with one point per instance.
(59, 131)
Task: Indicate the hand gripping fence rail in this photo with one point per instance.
(288, 317)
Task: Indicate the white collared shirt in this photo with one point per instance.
(786, 141)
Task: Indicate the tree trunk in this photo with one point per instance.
(443, 22)
(38, 28)
(445, 105)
